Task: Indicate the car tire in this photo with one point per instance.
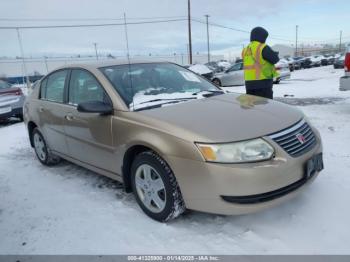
(42, 151)
(155, 187)
(216, 82)
(20, 116)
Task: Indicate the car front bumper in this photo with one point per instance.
(207, 186)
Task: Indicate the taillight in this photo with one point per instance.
(347, 62)
(18, 92)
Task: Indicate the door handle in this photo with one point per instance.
(69, 117)
(41, 109)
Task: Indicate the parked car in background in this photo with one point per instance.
(173, 138)
(214, 66)
(202, 70)
(290, 62)
(307, 62)
(298, 62)
(11, 101)
(282, 68)
(315, 60)
(330, 59)
(339, 63)
(336, 56)
(233, 76)
(225, 64)
(325, 61)
(345, 80)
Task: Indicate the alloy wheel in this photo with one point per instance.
(150, 188)
(40, 147)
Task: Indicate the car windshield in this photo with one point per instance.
(143, 85)
(4, 85)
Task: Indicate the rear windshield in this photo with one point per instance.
(138, 82)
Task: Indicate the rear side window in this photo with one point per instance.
(83, 87)
(52, 88)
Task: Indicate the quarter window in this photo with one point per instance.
(84, 87)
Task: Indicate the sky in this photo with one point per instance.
(319, 21)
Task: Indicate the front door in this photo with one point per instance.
(89, 135)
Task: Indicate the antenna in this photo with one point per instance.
(128, 57)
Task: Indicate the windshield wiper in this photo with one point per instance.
(158, 105)
(211, 93)
(167, 99)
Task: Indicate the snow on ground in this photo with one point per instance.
(313, 82)
(69, 210)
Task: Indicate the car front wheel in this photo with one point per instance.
(155, 187)
(216, 82)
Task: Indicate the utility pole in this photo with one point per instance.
(296, 40)
(207, 19)
(47, 67)
(127, 40)
(22, 55)
(189, 32)
(340, 38)
(95, 44)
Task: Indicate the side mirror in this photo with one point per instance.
(95, 107)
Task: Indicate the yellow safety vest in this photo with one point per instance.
(255, 66)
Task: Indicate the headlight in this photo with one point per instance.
(238, 152)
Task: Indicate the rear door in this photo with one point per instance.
(51, 110)
(89, 135)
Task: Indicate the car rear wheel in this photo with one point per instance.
(155, 187)
(216, 82)
(20, 116)
(42, 151)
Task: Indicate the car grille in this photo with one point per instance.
(296, 140)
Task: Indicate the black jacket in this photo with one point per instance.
(260, 34)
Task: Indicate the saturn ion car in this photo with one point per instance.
(173, 138)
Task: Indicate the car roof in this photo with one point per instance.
(99, 64)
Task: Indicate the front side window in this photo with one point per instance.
(52, 88)
(139, 83)
(83, 87)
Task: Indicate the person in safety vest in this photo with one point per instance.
(259, 60)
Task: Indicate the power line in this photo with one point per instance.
(222, 26)
(86, 19)
(238, 30)
(145, 21)
(91, 25)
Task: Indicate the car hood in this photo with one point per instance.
(223, 118)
